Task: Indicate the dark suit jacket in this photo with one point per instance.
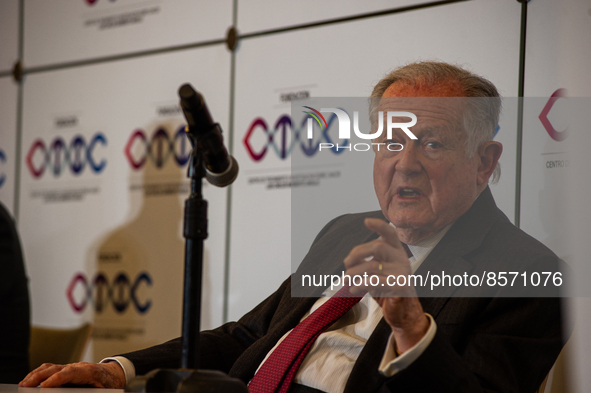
(14, 304)
(490, 344)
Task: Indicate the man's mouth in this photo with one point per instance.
(408, 193)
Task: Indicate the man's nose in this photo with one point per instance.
(408, 159)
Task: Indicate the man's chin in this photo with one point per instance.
(408, 219)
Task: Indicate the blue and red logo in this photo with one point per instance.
(58, 155)
(99, 292)
(160, 148)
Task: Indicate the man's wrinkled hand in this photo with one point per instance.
(385, 257)
(100, 375)
(380, 258)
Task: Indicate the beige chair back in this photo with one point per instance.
(557, 379)
(59, 346)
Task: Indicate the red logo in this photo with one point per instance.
(554, 134)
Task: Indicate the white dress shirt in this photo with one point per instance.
(329, 362)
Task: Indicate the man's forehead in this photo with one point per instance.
(446, 88)
(433, 105)
(443, 101)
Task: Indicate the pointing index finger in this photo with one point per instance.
(385, 230)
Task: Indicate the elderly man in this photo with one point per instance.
(434, 194)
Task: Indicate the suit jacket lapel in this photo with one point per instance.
(465, 236)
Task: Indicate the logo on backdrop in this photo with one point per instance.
(284, 137)
(159, 148)
(2, 162)
(554, 134)
(92, 2)
(58, 155)
(100, 292)
(345, 128)
(132, 14)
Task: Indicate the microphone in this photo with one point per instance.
(221, 168)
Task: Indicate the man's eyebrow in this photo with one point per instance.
(430, 130)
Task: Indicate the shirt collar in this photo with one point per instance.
(422, 249)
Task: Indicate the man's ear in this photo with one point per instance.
(489, 153)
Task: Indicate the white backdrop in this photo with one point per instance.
(120, 218)
(9, 21)
(63, 30)
(276, 15)
(8, 112)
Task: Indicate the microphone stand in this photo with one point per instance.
(189, 378)
(195, 232)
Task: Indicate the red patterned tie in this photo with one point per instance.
(276, 374)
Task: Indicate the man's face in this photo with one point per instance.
(431, 182)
